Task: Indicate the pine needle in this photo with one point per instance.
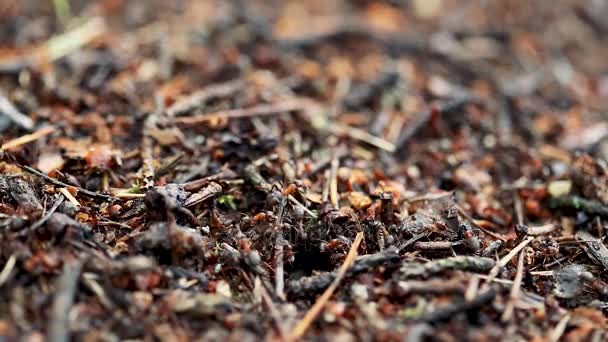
(315, 310)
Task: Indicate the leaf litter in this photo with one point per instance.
(357, 170)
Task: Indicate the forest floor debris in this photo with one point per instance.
(303, 170)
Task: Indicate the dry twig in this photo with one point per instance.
(515, 289)
(261, 110)
(62, 184)
(507, 258)
(70, 197)
(10, 111)
(67, 284)
(28, 138)
(314, 311)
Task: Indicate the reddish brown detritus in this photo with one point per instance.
(211, 169)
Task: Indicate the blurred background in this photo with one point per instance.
(542, 62)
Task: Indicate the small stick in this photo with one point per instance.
(197, 184)
(411, 241)
(386, 206)
(105, 181)
(8, 268)
(515, 289)
(505, 260)
(66, 289)
(429, 197)
(559, 329)
(472, 289)
(196, 171)
(306, 210)
(113, 223)
(361, 135)
(519, 208)
(274, 313)
(424, 117)
(70, 197)
(411, 130)
(48, 214)
(252, 174)
(10, 111)
(539, 300)
(451, 310)
(168, 165)
(315, 310)
(260, 110)
(65, 185)
(325, 193)
(210, 191)
(339, 153)
(89, 281)
(498, 281)
(279, 276)
(432, 286)
(147, 168)
(199, 97)
(57, 46)
(412, 269)
(558, 261)
(333, 183)
(364, 263)
(433, 245)
(472, 221)
(128, 195)
(24, 139)
(68, 42)
(541, 230)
